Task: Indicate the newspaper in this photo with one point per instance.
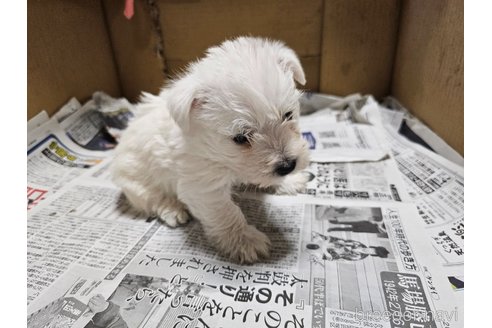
(53, 160)
(435, 184)
(37, 120)
(379, 181)
(75, 139)
(97, 124)
(365, 109)
(437, 188)
(331, 263)
(72, 106)
(423, 131)
(314, 102)
(342, 142)
(351, 251)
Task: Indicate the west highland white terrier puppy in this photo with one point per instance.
(230, 119)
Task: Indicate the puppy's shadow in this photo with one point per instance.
(259, 213)
(124, 208)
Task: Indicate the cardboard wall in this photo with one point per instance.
(358, 46)
(165, 35)
(345, 46)
(136, 48)
(69, 53)
(410, 48)
(190, 27)
(428, 71)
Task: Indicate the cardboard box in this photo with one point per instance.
(411, 49)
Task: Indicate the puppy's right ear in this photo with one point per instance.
(181, 101)
(289, 61)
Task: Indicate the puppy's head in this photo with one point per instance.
(239, 106)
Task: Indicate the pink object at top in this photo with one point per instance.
(129, 9)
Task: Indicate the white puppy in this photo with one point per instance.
(229, 119)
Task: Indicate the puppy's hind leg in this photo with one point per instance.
(172, 211)
(152, 201)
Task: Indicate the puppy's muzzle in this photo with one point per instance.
(285, 167)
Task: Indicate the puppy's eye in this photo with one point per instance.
(288, 116)
(241, 139)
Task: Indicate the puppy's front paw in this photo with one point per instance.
(247, 245)
(294, 184)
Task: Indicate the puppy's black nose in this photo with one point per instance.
(285, 167)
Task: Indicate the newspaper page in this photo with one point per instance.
(39, 119)
(97, 124)
(436, 185)
(367, 179)
(338, 259)
(40, 132)
(423, 131)
(395, 244)
(58, 153)
(341, 141)
(363, 181)
(367, 110)
(311, 102)
(68, 109)
(54, 160)
(361, 109)
(434, 182)
(353, 108)
(93, 261)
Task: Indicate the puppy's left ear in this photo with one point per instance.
(289, 61)
(181, 101)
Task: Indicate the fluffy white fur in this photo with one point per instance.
(179, 156)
